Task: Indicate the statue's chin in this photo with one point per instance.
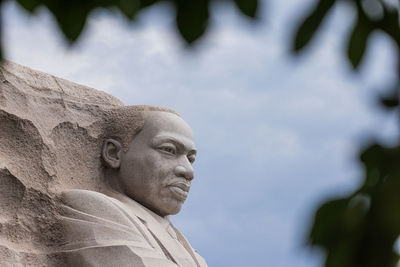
(163, 206)
(170, 207)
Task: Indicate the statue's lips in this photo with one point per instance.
(180, 190)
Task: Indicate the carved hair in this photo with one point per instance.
(122, 124)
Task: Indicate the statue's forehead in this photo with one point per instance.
(166, 122)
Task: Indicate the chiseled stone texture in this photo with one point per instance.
(49, 143)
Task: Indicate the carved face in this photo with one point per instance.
(156, 171)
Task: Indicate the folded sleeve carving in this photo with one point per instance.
(103, 231)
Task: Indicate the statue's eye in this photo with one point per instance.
(191, 159)
(168, 149)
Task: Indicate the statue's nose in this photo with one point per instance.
(185, 172)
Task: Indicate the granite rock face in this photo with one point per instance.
(49, 142)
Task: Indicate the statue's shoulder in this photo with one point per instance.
(86, 202)
(81, 196)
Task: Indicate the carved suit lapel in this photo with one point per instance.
(186, 244)
(172, 248)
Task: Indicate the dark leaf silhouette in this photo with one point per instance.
(71, 16)
(358, 40)
(311, 24)
(29, 5)
(361, 229)
(248, 7)
(192, 18)
(390, 24)
(129, 7)
(390, 102)
(329, 222)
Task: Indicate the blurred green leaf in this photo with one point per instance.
(328, 223)
(147, 3)
(372, 157)
(390, 24)
(340, 255)
(311, 24)
(71, 16)
(129, 7)
(389, 102)
(358, 40)
(30, 5)
(390, 211)
(192, 18)
(360, 230)
(248, 7)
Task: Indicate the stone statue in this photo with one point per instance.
(87, 181)
(147, 155)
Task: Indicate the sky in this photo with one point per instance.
(276, 134)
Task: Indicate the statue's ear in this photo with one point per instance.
(112, 152)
